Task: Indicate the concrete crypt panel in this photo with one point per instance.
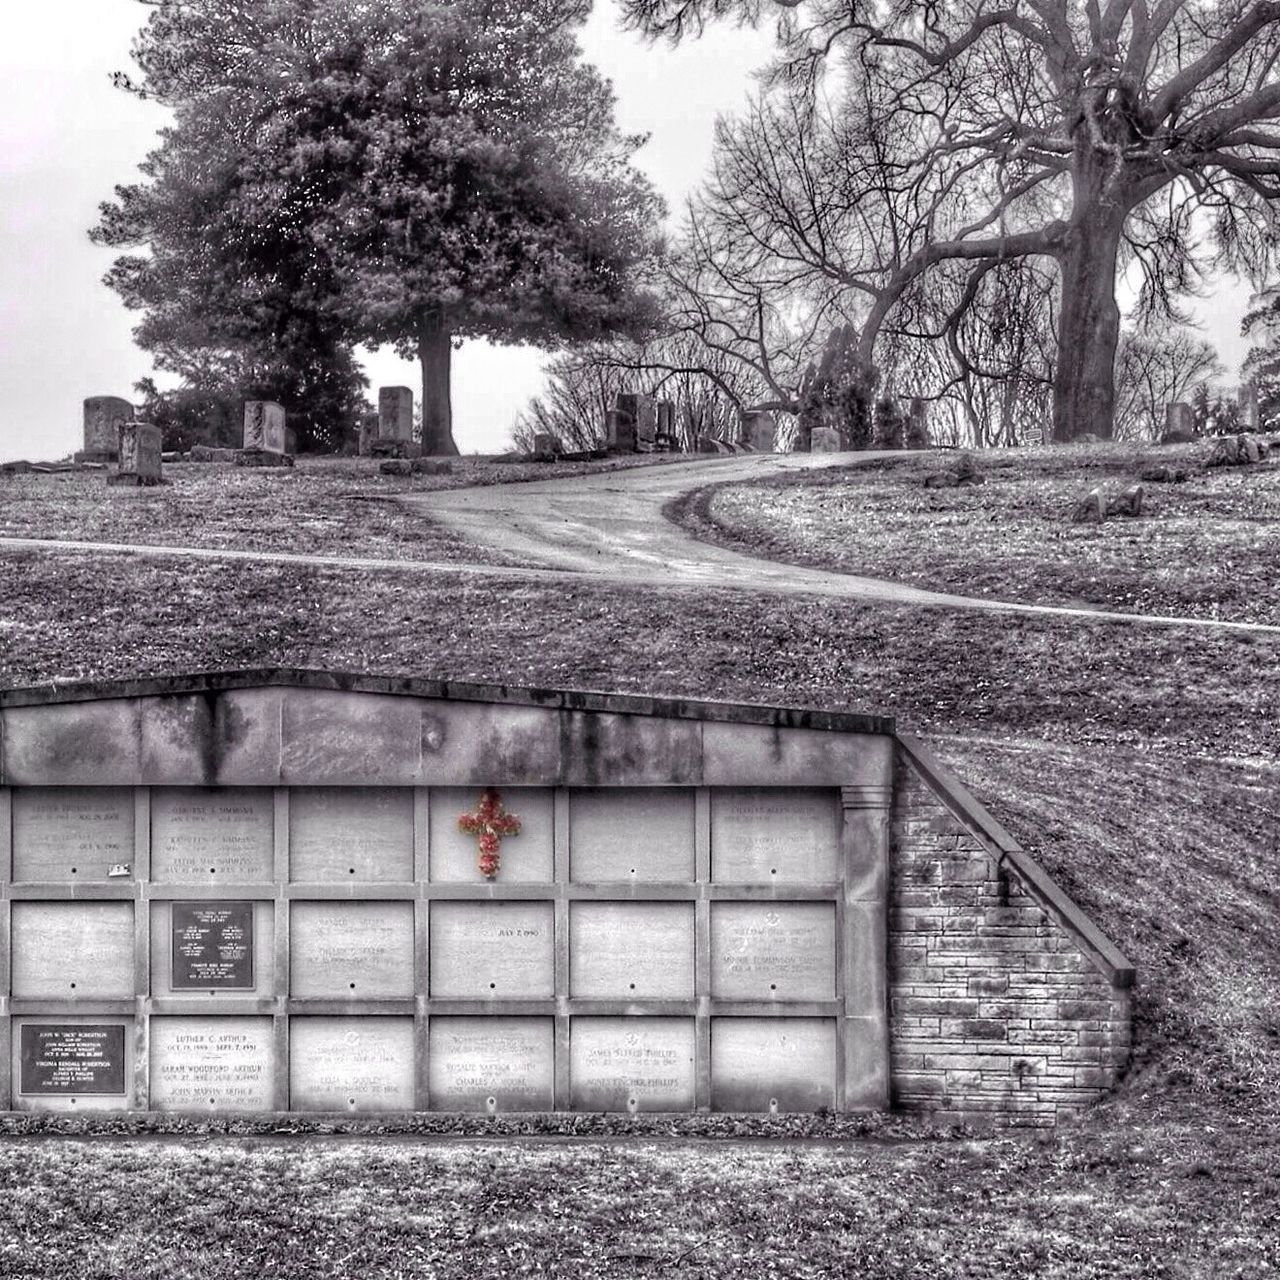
(320, 892)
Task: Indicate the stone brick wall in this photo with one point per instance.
(997, 1005)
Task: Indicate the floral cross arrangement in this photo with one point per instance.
(490, 822)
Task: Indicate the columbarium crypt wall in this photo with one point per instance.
(306, 891)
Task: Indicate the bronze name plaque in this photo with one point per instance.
(212, 946)
(72, 1058)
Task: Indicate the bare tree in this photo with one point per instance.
(1084, 135)
(1157, 368)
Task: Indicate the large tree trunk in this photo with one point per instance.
(435, 353)
(1084, 391)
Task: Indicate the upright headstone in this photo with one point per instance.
(918, 424)
(1247, 399)
(139, 454)
(264, 426)
(620, 425)
(395, 413)
(825, 440)
(545, 445)
(103, 418)
(1179, 423)
(367, 430)
(290, 441)
(760, 430)
(646, 422)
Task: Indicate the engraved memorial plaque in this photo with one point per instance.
(212, 946)
(356, 834)
(632, 1064)
(351, 1064)
(72, 1058)
(71, 833)
(219, 1063)
(492, 950)
(759, 1064)
(200, 835)
(511, 1060)
(526, 858)
(353, 949)
(72, 950)
(631, 950)
(772, 835)
(773, 950)
(631, 835)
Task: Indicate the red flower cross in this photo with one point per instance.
(490, 822)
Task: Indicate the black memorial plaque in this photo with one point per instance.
(212, 946)
(72, 1058)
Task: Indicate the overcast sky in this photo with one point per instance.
(67, 137)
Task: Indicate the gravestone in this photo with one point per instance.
(545, 445)
(139, 455)
(366, 434)
(620, 431)
(1247, 398)
(324, 892)
(264, 427)
(395, 413)
(825, 440)
(760, 430)
(1179, 424)
(103, 418)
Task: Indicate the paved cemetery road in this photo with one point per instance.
(609, 526)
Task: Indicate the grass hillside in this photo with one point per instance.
(1205, 548)
(1137, 762)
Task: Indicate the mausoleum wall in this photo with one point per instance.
(1003, 998)
(267, 891)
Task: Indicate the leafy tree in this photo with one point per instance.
(430, 170)
(1084, 136)
(232, 298)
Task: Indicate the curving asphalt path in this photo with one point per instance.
(608, 526)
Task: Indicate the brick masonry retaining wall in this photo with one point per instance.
(996, 1007)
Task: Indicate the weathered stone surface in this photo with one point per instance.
(1162, 473)
(72, 950)
(757, 755)
(1236, 451)
(103, 418)
(545, 446)
(395, 413)
(1179, 424)
(396, 467)
(770, 835)
(825, 440)
(211, 1064)
(351, 1064)
(620, 431)
(773, 1064)
(207, 453)
(601, 749)
(351, 835)
(139, 457)
(328, 738)
(262, 458)
(264, 424)
(72, 835)
(632, 1064)
(760, 430)
(351, 950)
(631, 950)
(1128, 503)
(1091, 509)
(433, 466)
(507, 1064)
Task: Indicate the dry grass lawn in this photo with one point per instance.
(1207, 548)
